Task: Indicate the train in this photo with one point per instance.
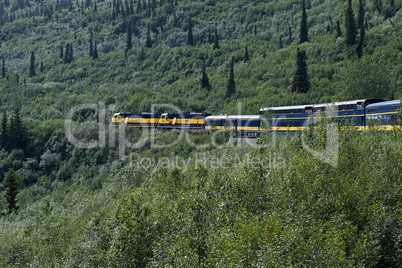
(360, 114)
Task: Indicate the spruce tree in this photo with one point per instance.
(290, 35)
(338, 32)
(190, 38)
(3, 68)
(68, 54)
(303, 35)
(11, 191)
(32, 65)
(95, 53)
(216, 40)
(205, 79)
(360, 18)
(91, 49)
(129, 44)
(351, 32)
(246, 56)
(301, 82)
(42, 68)
(61, 51)
(19, 133)
(231, 86)
(4, 132)
(359, 48)
(149, 41)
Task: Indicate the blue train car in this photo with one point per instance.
(287, 118)
(383, 114)
(348, 112)
(240, 125)
(295, 118)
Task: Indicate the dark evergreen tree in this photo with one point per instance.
(303, 35)
(149, 41)
(131, 8)
(141, 55)
(280, 42)
(95, 7)
(204, 79)
(11, 190)
(95, 53)
(32, 65)
(61, 51)
(301, 82)
(190, 38)
(216, 40)
(42, 69)
(290, 35)
(231, 86)
(359, 48)
(338, 32)
(117, 7)
(18, 131)
(360, 18)
(4, 132)
(246, 56)
(68, 55)
(127, 7)
(3, 68)
(351, 32)
(129, 43)
(91, 49)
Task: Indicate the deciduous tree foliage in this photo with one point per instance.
(372, 75)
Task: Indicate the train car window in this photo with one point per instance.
(322, 109)
(286, 124)
(346, 107)
(393, 120)
(289, 111)
(372, 110)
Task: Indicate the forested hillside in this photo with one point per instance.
(144, 55)
(197, 203)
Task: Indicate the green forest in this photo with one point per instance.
(181, 200)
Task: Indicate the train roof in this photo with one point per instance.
(301, 107)
(233, 117)
(385, 103)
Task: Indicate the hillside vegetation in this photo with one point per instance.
(170, 70)
(208, 200)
